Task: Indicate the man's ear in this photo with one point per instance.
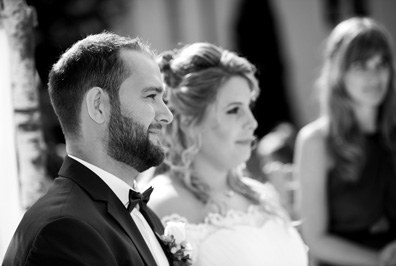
(97, 102)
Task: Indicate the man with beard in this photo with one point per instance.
(107, 92)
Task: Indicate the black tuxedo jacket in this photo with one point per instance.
(80, 221)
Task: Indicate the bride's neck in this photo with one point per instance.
(214, 176)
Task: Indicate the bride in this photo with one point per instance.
(229, 219)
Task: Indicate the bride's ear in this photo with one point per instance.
(188, 127)
(192, 132)
(185, 122)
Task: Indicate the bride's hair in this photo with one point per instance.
(193, 76)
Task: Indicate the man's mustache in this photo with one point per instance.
(155, 127)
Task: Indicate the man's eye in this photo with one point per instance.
(152, 96)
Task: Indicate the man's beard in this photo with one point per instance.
(129, 143)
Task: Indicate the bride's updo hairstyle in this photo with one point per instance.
(193, 76)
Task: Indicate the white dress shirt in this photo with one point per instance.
(121, 189)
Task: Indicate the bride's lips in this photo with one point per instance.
(245, 141)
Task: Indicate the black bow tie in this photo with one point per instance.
(137, 197)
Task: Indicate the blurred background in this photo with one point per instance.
(283, 38)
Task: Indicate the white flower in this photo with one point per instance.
(177, 229)
(174, 238)
(188, 249)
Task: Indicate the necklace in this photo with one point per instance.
(229, 193)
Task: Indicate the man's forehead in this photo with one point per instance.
(133, 58)
(143, 68)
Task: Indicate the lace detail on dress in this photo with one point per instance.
(236, 237)
(255, 216)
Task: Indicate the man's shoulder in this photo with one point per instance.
(65, 198)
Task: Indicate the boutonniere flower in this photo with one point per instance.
(174, 239)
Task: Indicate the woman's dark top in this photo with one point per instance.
(364, 211)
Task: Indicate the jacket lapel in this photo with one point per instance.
(99, 191)
(158, 228)
(153, 220)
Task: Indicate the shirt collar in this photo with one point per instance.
(118, 186)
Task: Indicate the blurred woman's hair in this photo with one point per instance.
(354, 40)
(193, 76)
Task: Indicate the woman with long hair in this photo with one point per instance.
(345, 160)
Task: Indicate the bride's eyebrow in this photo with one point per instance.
(233, 104)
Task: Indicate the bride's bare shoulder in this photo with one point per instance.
(171, 197)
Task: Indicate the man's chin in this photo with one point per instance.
(159, 158)
(152, 162)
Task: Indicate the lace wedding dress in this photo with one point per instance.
(248, 238)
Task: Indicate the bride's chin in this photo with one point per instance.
(238, 161)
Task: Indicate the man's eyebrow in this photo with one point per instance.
(153, 89)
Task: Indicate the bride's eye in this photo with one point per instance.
(233, 110)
